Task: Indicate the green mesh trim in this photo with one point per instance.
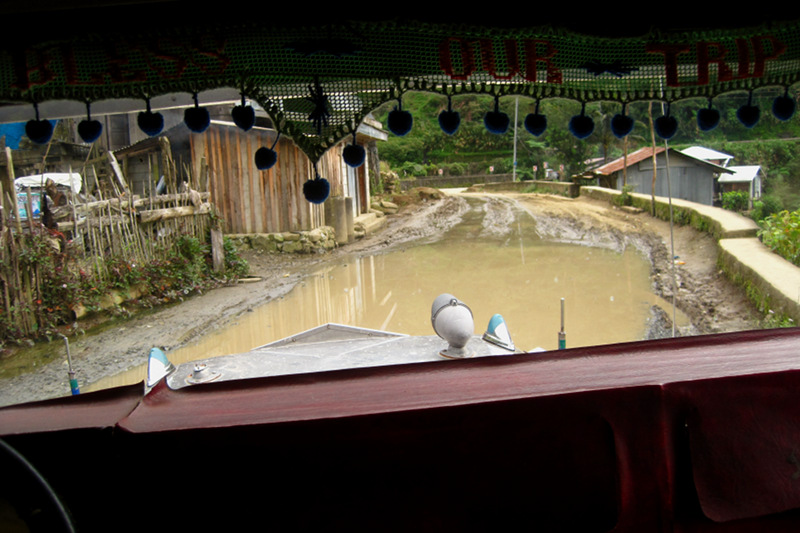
(355, 67)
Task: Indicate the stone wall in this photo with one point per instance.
(444, 182)
(563, 188)
(316, 240)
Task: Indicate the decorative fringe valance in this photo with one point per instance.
(318, 83)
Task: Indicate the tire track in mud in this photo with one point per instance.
(501, 216)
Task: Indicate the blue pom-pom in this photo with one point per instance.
(707, 119)
(317, 190)
(748, 115)
(244, 116)
(354, 155)
(90, 130)
(621, 125)
(150, 123)
(449, 121)
(666, 127)
(400, 122)
(39, 131)
(535, 124)
(265, 158)
(196, 119)
(581, 126)
(496, 122)
(783, 107)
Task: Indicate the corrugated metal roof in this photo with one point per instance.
(644, 153)
(633, 158)
(741, 174)
(706, 154)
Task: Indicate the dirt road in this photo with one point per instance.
(703, 293)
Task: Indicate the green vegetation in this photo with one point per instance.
(66, 288)
(781, 233)
(774, 320)
(625, 198)
(735, 200)
(766, 206)
(427, 150)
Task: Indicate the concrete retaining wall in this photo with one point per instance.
(771, 282)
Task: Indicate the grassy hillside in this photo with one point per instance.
(472, 149)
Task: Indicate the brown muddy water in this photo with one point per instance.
(493, 262)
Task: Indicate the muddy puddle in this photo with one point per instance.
(493, 260)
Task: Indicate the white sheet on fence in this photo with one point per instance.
(66, 179)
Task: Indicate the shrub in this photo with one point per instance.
(625, 198)
(768, 205)
(60, 281)
(412, 169)
(455, 169)
(781, 233)
(735, 200)
(235, 265)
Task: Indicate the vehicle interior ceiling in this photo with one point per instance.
(42, 19)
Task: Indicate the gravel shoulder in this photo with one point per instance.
(702, 292)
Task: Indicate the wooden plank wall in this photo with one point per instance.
(253, 201)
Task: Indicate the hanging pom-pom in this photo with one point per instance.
(196, 118)
(353, 154)
(536, 123)
(748, 114)
(150, 123)
(244, 116)
(449, 120)
(666, 126)
(707, 118)
(39, 131)
(581, 126)
(265, 158)
(400, 122)
(621, 124)
(783, 107)
(88, 129)
(496, 121)
(317, 190)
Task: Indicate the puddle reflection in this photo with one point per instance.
(491, 269)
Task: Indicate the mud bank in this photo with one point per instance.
(702, 292)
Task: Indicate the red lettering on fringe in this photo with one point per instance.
(671, 53)
(751, 58)
(466, 57)
(760, 54)
(37, 73)
(533, 57)
(708, 53)
(489, 63)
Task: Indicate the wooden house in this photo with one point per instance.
(691, 178)
(743, 178)
(272, 201)
(221, 161)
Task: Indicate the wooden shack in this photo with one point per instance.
(271, 201)
(745, 178)
(690, 178)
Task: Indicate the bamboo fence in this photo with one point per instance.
(87, 234)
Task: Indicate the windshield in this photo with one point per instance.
(586, 199)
